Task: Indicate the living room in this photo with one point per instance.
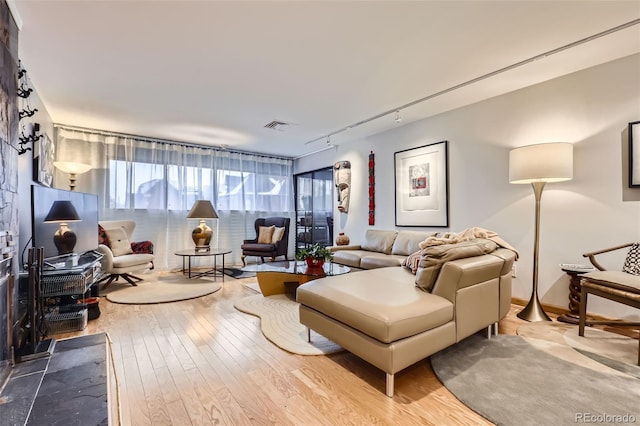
(589, 107)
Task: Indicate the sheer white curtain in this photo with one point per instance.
(156, 182)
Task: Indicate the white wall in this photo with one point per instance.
(25, 172)
(595, 210)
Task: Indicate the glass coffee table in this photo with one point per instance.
(286, 276)
(214, 272)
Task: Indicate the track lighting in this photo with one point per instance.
(482, 77)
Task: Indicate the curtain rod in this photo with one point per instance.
(163, 141)
(480, 78)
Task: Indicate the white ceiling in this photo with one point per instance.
(215, 72)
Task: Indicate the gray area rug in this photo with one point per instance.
(511, 382)
(160, 289)
(597, 349)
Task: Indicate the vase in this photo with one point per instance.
(314, 263)
(342, 239)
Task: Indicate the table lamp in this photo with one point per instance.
(537, 165)
(73, 169)
(202, 209)
(63, 212)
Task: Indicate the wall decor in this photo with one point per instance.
(27, 137)
(342, 180)
(372, 189)
(422, 186)
(634, 154)
(43, 156)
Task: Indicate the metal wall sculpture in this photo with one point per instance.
(342, 180)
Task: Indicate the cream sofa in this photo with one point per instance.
(393, 318)
(380, 248)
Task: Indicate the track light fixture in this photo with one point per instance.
(482, 77)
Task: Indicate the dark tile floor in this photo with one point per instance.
(67, 388)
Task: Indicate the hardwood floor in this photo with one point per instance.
(203, 362)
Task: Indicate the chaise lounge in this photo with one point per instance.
(393, 318)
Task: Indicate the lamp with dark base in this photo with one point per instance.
(63, 212)
(201, 234)
(537, 165)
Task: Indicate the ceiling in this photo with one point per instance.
(215, 72)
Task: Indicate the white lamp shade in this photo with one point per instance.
(72, 167)
(547, 162)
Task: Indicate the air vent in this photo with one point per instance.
(277, 125)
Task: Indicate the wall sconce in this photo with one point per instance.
(73, 169)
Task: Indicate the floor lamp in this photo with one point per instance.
(537, 165)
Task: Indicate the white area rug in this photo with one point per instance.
(280, 324)
(160, 289)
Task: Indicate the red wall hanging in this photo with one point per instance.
(372, 189)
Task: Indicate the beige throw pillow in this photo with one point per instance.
(118, 241)
(265, 234)
(278, 233)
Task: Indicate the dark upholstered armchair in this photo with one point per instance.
(272, 239)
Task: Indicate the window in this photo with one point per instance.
(151, 186)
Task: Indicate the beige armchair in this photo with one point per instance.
(121, 256)
(618, 286)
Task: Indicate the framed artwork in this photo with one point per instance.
(422, 186)
(43, 157)
(634, 154)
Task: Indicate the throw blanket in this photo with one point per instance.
(466, 235)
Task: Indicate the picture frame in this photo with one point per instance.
(634, 154)
(43, 157)
(422, 186)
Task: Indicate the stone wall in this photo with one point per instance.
(8, 162)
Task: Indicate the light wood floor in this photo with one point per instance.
(203, 362)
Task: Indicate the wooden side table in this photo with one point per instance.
(574, 271)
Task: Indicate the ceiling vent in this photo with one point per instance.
(277, 125)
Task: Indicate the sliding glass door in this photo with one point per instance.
(314, 207)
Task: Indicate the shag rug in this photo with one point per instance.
(511, 381)
(156, 288)
(280, 323)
